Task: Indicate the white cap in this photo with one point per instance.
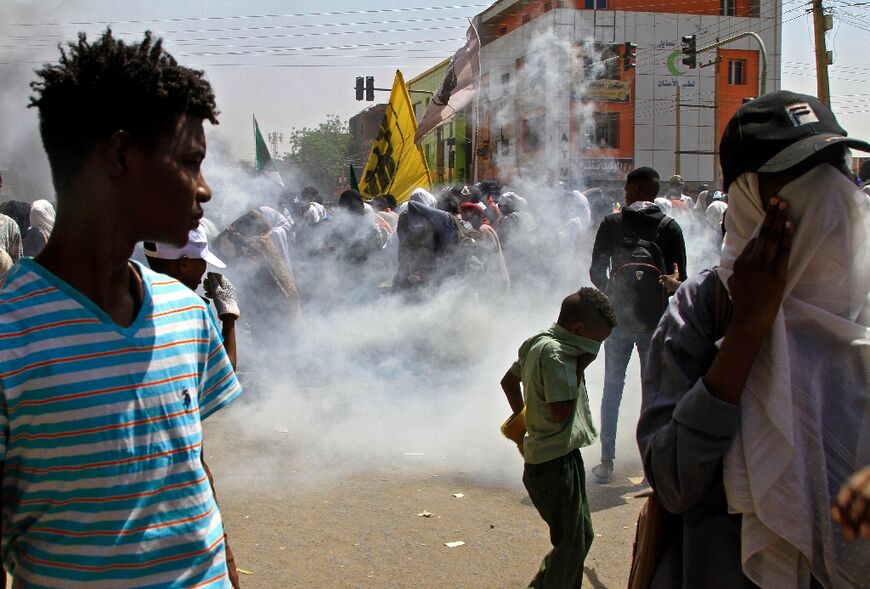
(195, 248)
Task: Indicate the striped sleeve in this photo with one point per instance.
(219, 385)
(4, 424)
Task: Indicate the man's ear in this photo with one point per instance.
(576, 327)
(117, 153)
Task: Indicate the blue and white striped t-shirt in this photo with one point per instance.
(101, 436)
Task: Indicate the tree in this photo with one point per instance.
(321, 152)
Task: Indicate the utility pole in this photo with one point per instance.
(819, 26)
(274, 139)
(677, 136)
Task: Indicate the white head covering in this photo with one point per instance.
(423, 196)
(584, 213)
(275, 219)
(280, 232)
(715, 213)
(5, 262)
(805, 412)
(42, 217)
(664, 204)
(315, 213)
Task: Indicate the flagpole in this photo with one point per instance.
(475, 115)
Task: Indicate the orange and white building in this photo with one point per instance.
(557, 104)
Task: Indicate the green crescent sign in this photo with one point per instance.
(672, 64)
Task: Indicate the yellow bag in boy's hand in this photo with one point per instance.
(514, 428)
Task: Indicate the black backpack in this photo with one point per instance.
(634, 290)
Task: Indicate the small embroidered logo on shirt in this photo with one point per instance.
(186, 396)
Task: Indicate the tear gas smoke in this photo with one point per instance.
(27, 176)
(371, 379)
(374, 380)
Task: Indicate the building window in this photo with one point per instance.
(532, 134)
(602, 132)
(727, 7)
(754, 8)
(598, 4)
(605, 67)
(505, 79)
(737, 72)
(505, 149)
(527, 19)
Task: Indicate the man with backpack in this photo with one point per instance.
(633, 249)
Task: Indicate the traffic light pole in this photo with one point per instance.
(763, 73)
(365, 88)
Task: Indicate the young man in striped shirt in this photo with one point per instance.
(106, 368)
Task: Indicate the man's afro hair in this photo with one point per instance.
(102, 87)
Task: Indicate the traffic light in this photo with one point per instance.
(370, 88)
(359, 88)
(629, 55)
(689, 46)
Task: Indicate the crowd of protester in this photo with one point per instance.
(753, 351)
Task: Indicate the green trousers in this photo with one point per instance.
(558, 491)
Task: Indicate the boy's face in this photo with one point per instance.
(597, 330)
(191, 271)
(166, 187)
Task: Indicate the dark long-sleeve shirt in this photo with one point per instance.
(683, 434)
(644, 222)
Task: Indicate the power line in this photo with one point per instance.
(289, 51)
(269, 27)
(278, 36)
(252, 16)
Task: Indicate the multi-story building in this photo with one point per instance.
(557, 102)
(363, 128)
(447, 148)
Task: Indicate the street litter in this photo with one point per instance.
(459, 495)
(413, 453)
(454, 544)
(245, 571)
(280, 429)
(424, 514)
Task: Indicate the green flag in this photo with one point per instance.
(353, 181)
(262, 159)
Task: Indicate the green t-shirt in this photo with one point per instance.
(547, 366)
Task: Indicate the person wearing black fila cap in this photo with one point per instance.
(782, 132)
(755, 395)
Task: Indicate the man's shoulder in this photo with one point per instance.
(670, 228)
(695, 299)
(23, 287)
(535, 342)
(543, 345)
(167, 292)
(610, 221)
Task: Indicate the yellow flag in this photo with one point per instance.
(396, 164)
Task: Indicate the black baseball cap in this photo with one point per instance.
(777, 131)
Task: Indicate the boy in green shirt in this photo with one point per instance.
(549, 373)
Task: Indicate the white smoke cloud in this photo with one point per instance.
(21, 152)
(374, 380)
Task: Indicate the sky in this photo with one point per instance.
(293, 63)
